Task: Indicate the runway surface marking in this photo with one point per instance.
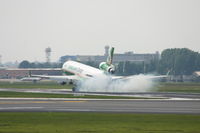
(159, 95)
(134, 106)
(5, 108)
(94, 99)
(23, 102)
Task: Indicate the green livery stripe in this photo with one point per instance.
(110, 56)
(111, 52)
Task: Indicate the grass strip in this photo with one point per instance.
(31, 85)
(189, 87)
(178, 87)
(52, 122)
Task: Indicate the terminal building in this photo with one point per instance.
(127, 56)
(18, 73)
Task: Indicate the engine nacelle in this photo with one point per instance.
(107, 68)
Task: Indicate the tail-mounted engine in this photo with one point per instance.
(107, 68)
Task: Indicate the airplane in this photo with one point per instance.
(33, 79)
(82, 71)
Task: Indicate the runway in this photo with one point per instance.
(177, 103)
(97, 105)
(129, 94)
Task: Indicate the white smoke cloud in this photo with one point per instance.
(104, 83)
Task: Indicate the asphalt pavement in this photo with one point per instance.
(177, 103)
(99, 105)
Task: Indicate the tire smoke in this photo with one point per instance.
(104, 83)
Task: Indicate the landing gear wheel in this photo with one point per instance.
(74, 89)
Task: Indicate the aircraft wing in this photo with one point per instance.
(152, 77)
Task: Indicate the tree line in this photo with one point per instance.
(180, 61)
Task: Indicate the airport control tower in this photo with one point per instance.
(0, 59)
(106, 50)
(48, 54)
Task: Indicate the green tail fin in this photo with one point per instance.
(110, 56)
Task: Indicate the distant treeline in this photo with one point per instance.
(179, 61)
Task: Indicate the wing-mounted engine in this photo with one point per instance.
(107, 68)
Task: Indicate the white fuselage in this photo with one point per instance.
(81, 70)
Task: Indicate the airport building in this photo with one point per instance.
(17, 73)
(127, 56)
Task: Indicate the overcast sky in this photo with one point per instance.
(72, 27)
